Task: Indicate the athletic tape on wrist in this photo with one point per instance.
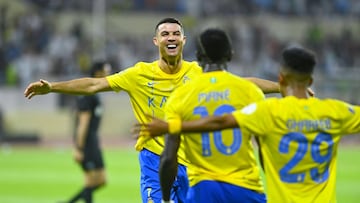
(175, 126)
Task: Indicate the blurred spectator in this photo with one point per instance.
(342, 7)
(29, 66)
(2, 125)
(3, 67)
(33, 43)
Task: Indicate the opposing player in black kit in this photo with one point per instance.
(86, 140)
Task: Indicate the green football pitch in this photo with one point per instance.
(45, 175)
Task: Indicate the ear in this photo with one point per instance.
(198, 56)
(155, 41)
(184, 40)
(281, 79)
(311, 80)
(230, 55)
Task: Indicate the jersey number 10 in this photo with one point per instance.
(220, 146)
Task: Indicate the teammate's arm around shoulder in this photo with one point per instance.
(158, 127)
(266, 86)
(210, 123)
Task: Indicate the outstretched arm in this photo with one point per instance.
(158, 127)
(81, 86)
(210, 123)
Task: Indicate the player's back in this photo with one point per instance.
(225, 156)
(299, 139)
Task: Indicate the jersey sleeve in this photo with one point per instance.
(254, 118)
(123, 80)
(351, 119)
(257, 94)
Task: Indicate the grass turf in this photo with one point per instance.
(29, 175)
(50, 175)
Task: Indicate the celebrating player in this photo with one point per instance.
(222, 166)
(148, 85)
(299, 134)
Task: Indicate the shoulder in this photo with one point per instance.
(245, 83)
(191, 65)
(136, 68)
(340, 105)
(145, 64)
(272, 103)
(142, 65)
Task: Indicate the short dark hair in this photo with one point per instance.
(213, 46)
(97, 66)
(169, 20)
(298, 59)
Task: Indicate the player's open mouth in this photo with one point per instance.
(171, 46)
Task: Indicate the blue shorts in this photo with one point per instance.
(150, 182)
(219, 192)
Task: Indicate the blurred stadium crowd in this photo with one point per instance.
(31, 45)
(215, 7)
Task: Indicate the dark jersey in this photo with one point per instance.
(92, 152)
(91, 103)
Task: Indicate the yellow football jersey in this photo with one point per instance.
(299, 140)
(227, 155)
(149, 88)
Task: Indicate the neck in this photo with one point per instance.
(297, 91)
(170, 66)
(214, 67)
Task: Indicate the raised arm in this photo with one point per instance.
(81, 86)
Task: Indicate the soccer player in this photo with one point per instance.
(87, 150)
(299, 134)
(222, 165)
(148, 85)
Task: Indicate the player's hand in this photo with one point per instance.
(37, 88)
(78, 155)
(154, 128)
(310, 92)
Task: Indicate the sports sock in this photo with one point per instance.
(87, 194)
(77, 196)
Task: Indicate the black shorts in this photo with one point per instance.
(93, 159)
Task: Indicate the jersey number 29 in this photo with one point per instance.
(302, 148)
